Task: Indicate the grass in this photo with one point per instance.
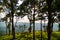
(29, 36)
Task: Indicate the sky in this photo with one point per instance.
(19, 2)
(2, 14)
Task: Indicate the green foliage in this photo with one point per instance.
(56, 5)
(56, 35)
(27, 36)
(58, 16)
(24, 5)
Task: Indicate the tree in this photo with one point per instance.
(59, 21)
(24, 7)
(27, 6)
(30, 19)
(12, 12)
(12, 6)
(5, 19)
(56, 7)
(9, 23)
(49, 2)
(2, 9)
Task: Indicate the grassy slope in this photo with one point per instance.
(26, 36)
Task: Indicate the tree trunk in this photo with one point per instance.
(33, 26)
(10, 23)
(9, 30)
(49, 19)
(52, 27)
(41, 28)
(30, 28)
(12, 12)
(34, 22)
(6, 26)
(44, 26)
(13, 29)
(49, 25)
(59, 27)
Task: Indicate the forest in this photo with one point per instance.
(42, 20)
